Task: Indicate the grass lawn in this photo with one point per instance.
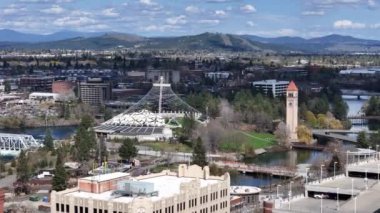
(167, 147)
(239, 140)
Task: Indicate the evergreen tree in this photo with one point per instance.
(22, 168)
(7, 87)
(128, 150)
(107, 114)
(85, 139)
(59, 181)
(101, 151)
(199, 153)
(48, 141)
(362, 140)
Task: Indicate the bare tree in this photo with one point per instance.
(282, 134)
(228, 116)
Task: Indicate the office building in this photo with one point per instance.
(95, 91)
(36, 83)
(189, 190)
(277, 88)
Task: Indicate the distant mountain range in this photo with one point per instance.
(10, 39)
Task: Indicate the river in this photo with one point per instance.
(294, 157)
(57, 132)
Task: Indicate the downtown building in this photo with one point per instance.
(95, 92)
(190, 190)
(272, 86)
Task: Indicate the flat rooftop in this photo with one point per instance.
(106, 177)
(165, 185)
(344, 184)
(370, 167)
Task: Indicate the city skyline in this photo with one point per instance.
(164, 18)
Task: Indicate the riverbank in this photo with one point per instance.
(12, 122)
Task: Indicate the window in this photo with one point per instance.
(57, 207)
(62, 207)
(86, 210)
(67, 208)
(75, 209)
(81, 209)
(95, 210)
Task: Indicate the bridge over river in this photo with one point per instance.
(359, 93)
(338, 134)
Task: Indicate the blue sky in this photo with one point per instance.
(269, 18)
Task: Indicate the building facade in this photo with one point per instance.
(277, 88)
(95, 92)
(190, 190)
(292, 111)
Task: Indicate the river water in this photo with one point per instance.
(57, 132)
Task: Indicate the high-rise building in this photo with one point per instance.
(189, 190)
(95, 91)
(272, 86)
(292, 110)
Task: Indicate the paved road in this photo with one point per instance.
(7, 181)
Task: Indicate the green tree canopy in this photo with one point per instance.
(199, 153)
(362, 140)
(48, 141)
(23, 168)
(128, 149)
(59, 181)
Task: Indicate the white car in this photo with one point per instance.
(321, 196)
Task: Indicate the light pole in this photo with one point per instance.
(322, 203)
(321, 173)
(366, 179)
(352, 187)
(290, 192)
(334, 168)
(377, 152)
(355, 204)
(337, 199)
(347, 157)
(369, 153)
(378, 172)
(277, 191)
(307, 174)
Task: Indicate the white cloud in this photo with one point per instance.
(372, 3)
(280, 32)
(375, 26)
(177, 20)
(248, 8)
(158, 28)
(348, 24)
(147, 2)
(286, 32)
(46, 1)
(55, 9)
(251, 23)
(71, 21)
(209, 21)
(192, 9)
(313, 13)
(220, 13)
(13, 9)
(110, 12)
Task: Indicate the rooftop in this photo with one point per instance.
(292, 86)
(271, 81)
(106, 177)
(165, 185)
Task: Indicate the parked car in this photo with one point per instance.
(321, 196)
